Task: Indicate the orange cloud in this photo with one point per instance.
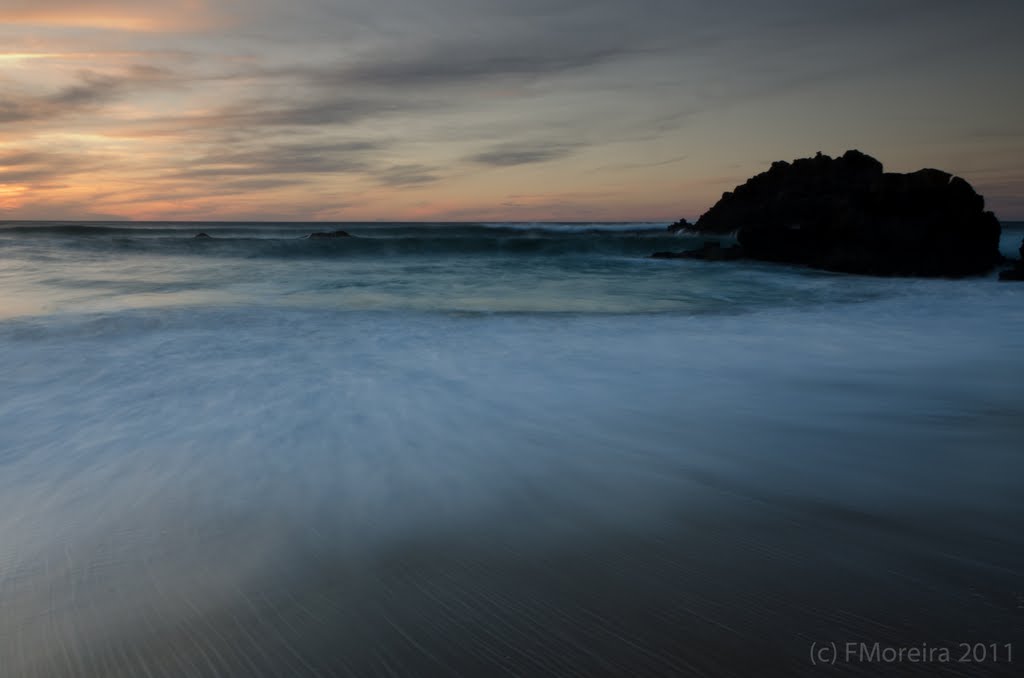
(117, 15)
(12, 196)
(24, 56)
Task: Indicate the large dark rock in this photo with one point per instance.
(1017, 272)
(846, 214)
(329, 234)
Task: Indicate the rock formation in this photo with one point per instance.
(846, 214)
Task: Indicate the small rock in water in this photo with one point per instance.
(709, 251)
(1017, 272)
(202, 236)
(329, 234)
(680, 225)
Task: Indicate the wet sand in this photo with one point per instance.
(725, 583)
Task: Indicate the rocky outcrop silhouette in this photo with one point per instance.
(846, 214)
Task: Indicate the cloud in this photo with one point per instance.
(253, 116)
(244, 185)
(462, 63)
(508, 155)
(91, 91)
(18, 166)
(407, 175)
(409, 93)
(109, 15)
(642, 165)
(279, 159)
(276, 165)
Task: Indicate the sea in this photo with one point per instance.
(486, 449)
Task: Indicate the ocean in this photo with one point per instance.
(498, 449)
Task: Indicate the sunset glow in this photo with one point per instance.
(182, 109)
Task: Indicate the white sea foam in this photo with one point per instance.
(428, 417)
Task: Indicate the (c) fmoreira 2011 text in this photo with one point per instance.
(864, 652)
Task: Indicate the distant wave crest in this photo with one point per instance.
(291, 240)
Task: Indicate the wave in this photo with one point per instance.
(582, 228)
(302, 228)
(403, 246)
(292, 241)
(63, 229)
(30, 229)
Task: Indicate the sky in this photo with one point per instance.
(519, 110)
